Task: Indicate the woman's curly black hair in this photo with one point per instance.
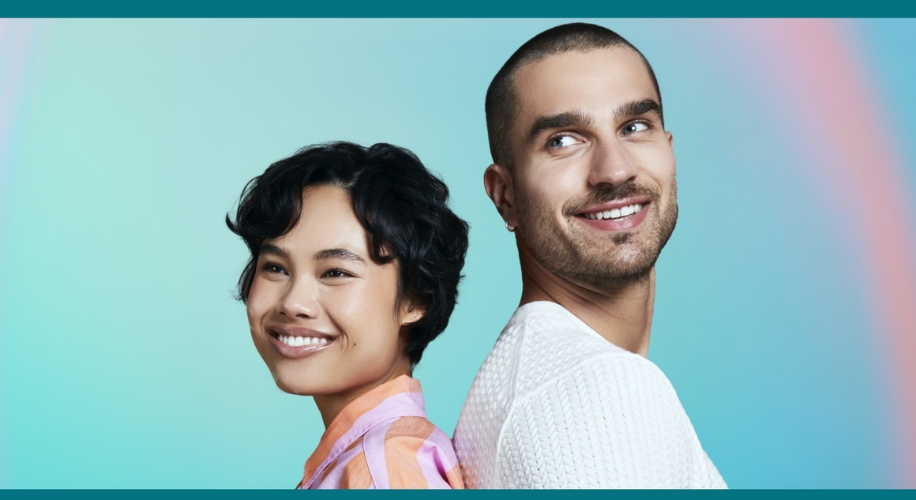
(402, 206)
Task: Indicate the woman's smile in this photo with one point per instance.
(295, 342)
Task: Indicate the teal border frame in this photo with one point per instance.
(466, 8)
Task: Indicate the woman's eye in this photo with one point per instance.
(561, 141)
(335, 273)
(635, 127)
(273, 268)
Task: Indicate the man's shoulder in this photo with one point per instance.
(541, 343)
(542, 339)
(554, 343)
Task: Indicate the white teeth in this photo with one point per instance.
(615, 213)
(300, 341)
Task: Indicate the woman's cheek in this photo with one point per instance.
(258, 300)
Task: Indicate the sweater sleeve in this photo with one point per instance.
(611, 421)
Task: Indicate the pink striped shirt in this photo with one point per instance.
(383, 440)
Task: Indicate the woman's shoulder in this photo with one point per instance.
(411, 452)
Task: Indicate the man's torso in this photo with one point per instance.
(557, 406)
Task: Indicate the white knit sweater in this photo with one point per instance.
(555, 405)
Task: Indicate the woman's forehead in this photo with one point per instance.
(326, 222)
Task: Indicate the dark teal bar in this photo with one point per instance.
(467, 8)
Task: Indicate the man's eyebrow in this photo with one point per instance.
(560, 120)
(339, 253)
(269, 249)
(636, 108)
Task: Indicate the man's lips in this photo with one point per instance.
(298, 342)
(618, 204)
(617, 215)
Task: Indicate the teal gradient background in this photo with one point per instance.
(125, 362)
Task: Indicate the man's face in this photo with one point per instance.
(594, 174)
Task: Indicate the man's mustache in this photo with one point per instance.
(605, 194)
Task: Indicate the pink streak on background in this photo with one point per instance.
(16, 40)
(846, 141)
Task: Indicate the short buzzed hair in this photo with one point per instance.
(502, 98)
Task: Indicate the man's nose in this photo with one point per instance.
(300, 300)
(611, 164)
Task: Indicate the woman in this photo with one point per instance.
(354, 269)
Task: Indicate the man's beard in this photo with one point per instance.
(605, 261)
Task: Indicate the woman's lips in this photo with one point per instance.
(294, 342)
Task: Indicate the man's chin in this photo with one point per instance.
(616, 279)
(623, 269)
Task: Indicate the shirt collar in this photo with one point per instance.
(400, 397)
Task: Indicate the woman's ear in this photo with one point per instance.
(411, 313)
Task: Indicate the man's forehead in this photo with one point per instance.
(591, 81)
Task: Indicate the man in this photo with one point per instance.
(584, 174)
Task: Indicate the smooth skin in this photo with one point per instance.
(320, 277)
(580, 129)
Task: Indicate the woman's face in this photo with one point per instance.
(322, 313)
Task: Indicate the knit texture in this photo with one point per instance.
(555, 405)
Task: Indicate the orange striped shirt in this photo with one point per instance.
(383, 440)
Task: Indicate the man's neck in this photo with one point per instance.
(622, 314)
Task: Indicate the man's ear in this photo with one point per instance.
(670, 139)
(497, 180)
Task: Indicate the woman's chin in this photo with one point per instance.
(290, 382)
(293, 388)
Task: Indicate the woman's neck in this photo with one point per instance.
(330, 405)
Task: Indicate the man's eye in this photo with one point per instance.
(335, 273)
(635, 127)
(561, 141)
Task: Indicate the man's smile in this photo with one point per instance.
(615, 213)
(618, 215)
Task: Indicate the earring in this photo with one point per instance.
(510, 227)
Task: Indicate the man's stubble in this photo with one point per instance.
(597, 263)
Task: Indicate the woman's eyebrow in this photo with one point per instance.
(339, 253)
(270, 249)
